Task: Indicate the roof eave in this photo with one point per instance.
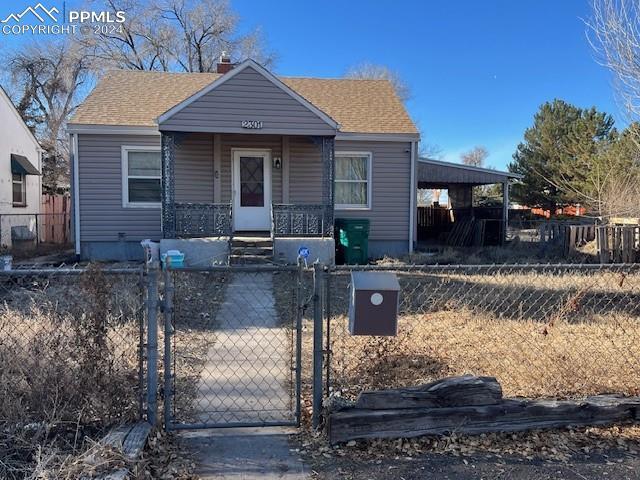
(470, 167)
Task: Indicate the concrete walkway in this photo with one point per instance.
(245, 454)
(247, 378)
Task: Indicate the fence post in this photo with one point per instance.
(299, 313)
(317, 343)
(168, 331)
(152, 342)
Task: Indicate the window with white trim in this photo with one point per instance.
(19, 189)
(142, 176)
(353, 180)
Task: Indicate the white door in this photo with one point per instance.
(251, 190)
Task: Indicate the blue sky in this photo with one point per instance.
(477, 70)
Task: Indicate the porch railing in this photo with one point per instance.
(202, 219)
(300, 221)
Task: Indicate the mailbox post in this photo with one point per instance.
(373, 306)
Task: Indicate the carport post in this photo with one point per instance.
(318, 270)
(505, 209)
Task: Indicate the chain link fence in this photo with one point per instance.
(542, 331)
(71, 358)
(233, 352)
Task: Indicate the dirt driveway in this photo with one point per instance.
(449, 467)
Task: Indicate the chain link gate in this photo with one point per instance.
(232, 346)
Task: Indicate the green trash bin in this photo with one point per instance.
(352, 240)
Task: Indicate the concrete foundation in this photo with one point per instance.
(285, 250)
(199, 252)
(111, 251)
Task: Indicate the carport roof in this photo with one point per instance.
(436, 173)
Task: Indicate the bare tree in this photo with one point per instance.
(48, 79)
(614, 33)
(372, 71)
(475, 157)
(431, 151)
(137, 44)
(176, 35)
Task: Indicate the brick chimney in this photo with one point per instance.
(224, 63)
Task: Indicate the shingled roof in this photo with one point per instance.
(135, 98)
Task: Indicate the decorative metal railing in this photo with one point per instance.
(301, 221)
(202, 219)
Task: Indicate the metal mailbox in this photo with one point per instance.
(373, 306)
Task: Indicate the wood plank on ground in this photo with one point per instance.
(448, 392)
(510, 415)
(130, 440)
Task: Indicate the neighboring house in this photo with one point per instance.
(20, 180)
(183, 155)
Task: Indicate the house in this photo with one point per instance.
(213, 155)
(20, 180)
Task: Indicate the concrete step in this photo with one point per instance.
(242, 242)
(250, 259)
(260, 251)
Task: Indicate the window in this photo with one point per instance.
(19, 184)
(353, 180)
(141, 176)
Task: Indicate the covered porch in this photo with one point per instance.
(229, 184)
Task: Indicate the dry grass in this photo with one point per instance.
(528, 358)
(69, 356)
(542, 334)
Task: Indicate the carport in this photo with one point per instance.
(459, 222)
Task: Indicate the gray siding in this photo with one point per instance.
(247, 96)
(194, 168)
(390, 199)
(102, 215)
(305, 171)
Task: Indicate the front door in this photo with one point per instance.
(251, 190)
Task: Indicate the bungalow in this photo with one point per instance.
(240, 152)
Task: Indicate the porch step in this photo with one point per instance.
(251, 243)
(250, 260)
(251, 250)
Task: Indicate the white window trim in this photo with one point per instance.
(369, 156)
(125, 176)
(23, 183)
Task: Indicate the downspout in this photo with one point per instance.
(76, 194)
(412, 200)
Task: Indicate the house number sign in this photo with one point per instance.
(252, 124)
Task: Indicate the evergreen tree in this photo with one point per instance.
(558, 154)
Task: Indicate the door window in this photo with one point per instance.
(251, 181)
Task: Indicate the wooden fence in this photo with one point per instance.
(54, 221)
(619, 243)
(567, 236)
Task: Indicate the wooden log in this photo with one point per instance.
(448, 392)
(508, 416)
